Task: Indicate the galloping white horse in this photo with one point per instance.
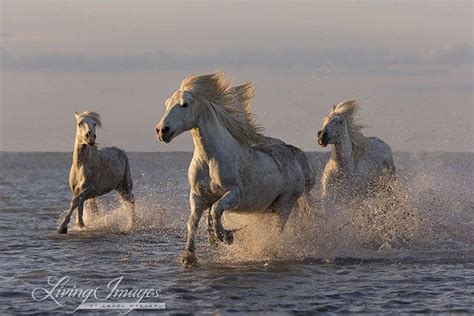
(234, 167)
(358, 165)
(95, 172)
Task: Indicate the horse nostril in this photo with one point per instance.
(324, 137)
(162, 130)
(319, 133)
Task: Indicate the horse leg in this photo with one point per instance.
(286, 206)
(229, 201)
(198, 205)
(75, 201)
(63, 227)
(210, 230)
(125, 191)
(80, 209)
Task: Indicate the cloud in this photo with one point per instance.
(343, 59)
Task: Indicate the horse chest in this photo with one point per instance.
(80, 177)
(201, 180)
(213, 182)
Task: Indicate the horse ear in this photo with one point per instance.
(187, 96)
(76, 114)
(333, 108)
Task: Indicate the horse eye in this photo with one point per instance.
(184, 105)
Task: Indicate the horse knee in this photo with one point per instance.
(193, 221)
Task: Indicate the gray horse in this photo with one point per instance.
(95, 172)
(359, 165)
(234, 167)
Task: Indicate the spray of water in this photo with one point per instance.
(115, 217)
(422, 211)
(428, 209)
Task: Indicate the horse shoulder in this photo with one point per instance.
(224, 174)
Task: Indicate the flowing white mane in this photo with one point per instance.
(232, 105)
(348, 110)
(89, 114)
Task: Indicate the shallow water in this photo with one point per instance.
(326, 270)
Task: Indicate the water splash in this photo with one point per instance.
(429, 216)
(115, 217)
(426, 211)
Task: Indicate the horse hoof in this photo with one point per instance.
(228, 237)
(218, 236)
(223, 235)
(62, 230)
(189, 260)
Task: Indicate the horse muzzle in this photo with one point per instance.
(91, 140)
(323, 138)
(163, 134)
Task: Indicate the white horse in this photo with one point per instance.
(358, 165)
(95, 172)
(234, 167)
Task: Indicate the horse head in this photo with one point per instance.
(333, 129)
(180, 115)
(87, 122)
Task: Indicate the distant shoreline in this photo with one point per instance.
(190, 152)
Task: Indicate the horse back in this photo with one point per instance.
(380, 152)
(114, 161)
(285, 155)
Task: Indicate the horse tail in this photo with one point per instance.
(305, 205)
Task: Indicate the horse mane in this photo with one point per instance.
(232, 105)
(89, 114)
(349, 110)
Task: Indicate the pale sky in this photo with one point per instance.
(410, 65)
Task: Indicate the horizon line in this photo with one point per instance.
(185, 151)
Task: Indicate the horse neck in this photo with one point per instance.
(212, 140)
(83, 154)
(342, 153)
